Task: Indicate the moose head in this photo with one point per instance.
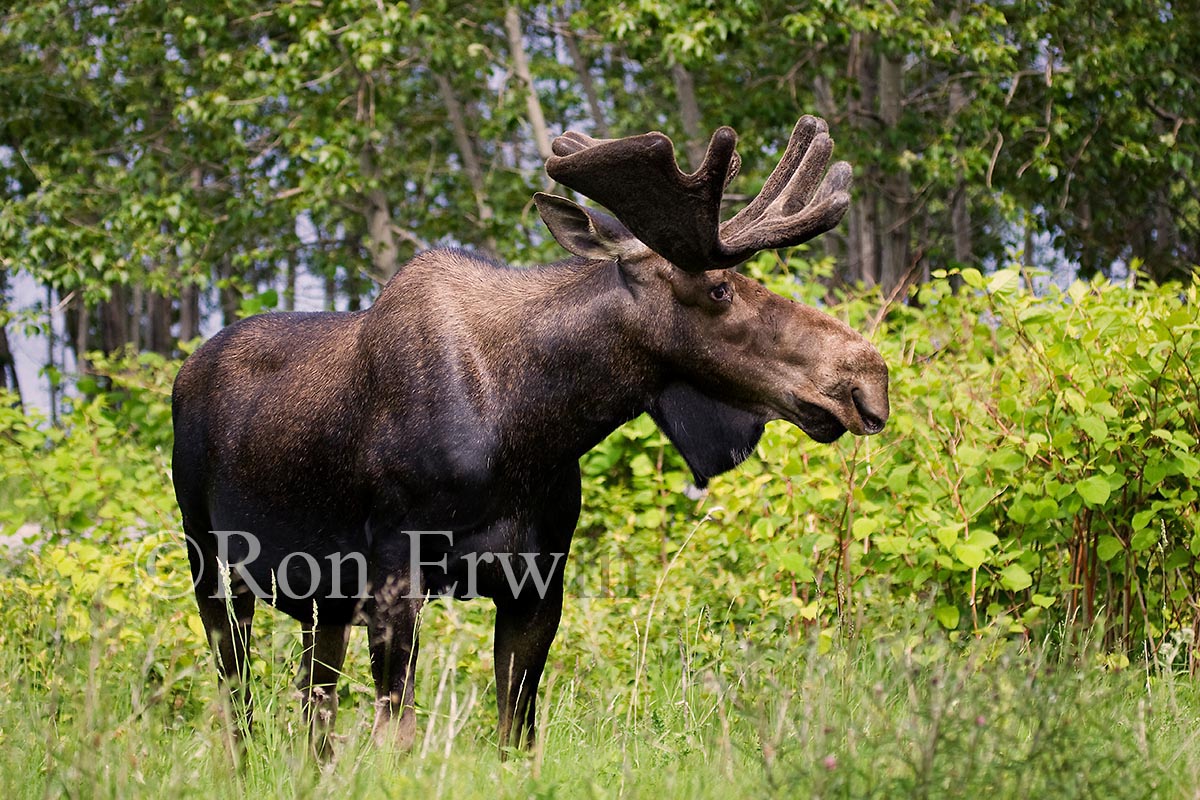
(748, 355)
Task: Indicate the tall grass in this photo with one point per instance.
(905, 714)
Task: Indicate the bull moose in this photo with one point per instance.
(309, 447)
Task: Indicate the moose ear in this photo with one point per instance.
(585, 231)
(711, 436)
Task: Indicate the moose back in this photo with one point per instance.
(346, 466)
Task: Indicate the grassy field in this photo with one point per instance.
(895, 710)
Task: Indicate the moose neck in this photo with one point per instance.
(544, 356)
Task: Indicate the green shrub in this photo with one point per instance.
(1038, 469)
(1038, 466)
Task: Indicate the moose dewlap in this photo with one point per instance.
(354, 464)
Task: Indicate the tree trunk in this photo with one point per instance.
(189, 293)
(960, 213)
(8, 364)
(159, 311)
(689, 112)
(352, 288)
(385, 257)
(863, 226)
(136, 318)
(1027, 254)
(960, 224)
(584, 72)
(114, 321)
(330, 291)
(289, 287)
(862, 242)
(79, 322)
(52, 385)
(894, 199)
(516, 49)
(230, 295)
(470, 161)
(189, 312)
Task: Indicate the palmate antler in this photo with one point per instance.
(678, 215)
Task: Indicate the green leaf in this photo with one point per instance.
(864, 527)
(1043, 600)
(1015, 578)
(970, 554)
(1108, 548)
(1143, 540)
(985, 539)
(1007, 460)
(969, 456)
(947, 536)
(1142, 518)
(823, 542)
(1093, 490)
(898, 478)
(1093, 427)
(641, 465)
(1004, 280)
(947, 615)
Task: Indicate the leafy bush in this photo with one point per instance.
(1038, 466)
(103, 470)
(1037, 469)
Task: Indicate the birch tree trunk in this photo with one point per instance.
(520, 62)
(470, 160)
(584, 72)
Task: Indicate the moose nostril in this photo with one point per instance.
(872, 422)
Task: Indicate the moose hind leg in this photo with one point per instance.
(227, 626)
(324, 654)
(524, 633)
(393, 642)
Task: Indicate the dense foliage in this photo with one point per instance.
(1037, 475)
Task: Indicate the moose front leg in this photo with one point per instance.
(524, 631)
(324, 653)
(393, 641)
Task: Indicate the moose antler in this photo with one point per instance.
(678, 215)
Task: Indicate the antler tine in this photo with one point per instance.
(637, 178)
(795, 204)
(678, 215)
(805, 130)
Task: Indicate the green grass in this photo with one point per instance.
(899, 711)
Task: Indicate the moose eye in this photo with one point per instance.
(721, 293)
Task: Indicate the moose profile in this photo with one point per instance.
(310, 447)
